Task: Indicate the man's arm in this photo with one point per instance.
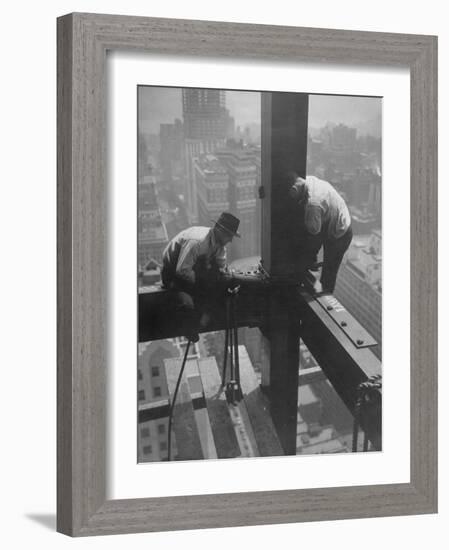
(220, 259)
(186, 261)
(313, 219)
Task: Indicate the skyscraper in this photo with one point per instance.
(207, 124)
(359, 284)
(152, 233)
(152, 394)
(243, 167)
(171, 154)
(212, 185)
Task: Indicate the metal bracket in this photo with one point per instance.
(353, 330)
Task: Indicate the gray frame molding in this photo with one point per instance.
(83, 40)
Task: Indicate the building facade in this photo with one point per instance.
(212, 185)
(243, 168)
(153, 396)
(359, 284)
(171, 156)
(152, 235)
(207, 124)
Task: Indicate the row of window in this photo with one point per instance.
(246, 193)
(145, 432)
(155, 371)
(148, 449)
(217, 195)
(157, 392)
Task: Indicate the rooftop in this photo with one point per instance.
(210, 164)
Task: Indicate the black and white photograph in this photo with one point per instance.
(259, 273)
(228, 237)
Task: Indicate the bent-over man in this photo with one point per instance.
(327, 223)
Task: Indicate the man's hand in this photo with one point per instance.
(227, 278)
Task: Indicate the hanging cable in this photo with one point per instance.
(233, 390)
(226, 345)
(172, 406)
(231, 357)
(236, 375)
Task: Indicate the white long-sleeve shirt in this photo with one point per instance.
(325, 208)
(183, 251)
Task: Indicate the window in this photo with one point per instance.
(161, 429)
(145, 432)
(155, 371)
(157, 391)
(147, 450)
(141, 395)
(139, 374)
(163, 445)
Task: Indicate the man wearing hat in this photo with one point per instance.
(193, 263)
(327, 223)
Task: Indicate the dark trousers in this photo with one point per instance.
(189, 302)
(334, 251)
(183, 300)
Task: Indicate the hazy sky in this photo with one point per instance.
(162, 105)
(349, 110)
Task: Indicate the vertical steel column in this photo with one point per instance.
(284, 149)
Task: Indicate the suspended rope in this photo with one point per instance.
(231, 349)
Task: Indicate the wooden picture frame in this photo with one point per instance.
(83, 40)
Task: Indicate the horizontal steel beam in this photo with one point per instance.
(158, 318)
(344, 363)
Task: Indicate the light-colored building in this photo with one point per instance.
(212, 185)
(153, 396)
(243, 167)
(152, 235)
(207, 124)
(171, 154)
(359, 284)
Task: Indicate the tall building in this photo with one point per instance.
(365, 190)
(212, 185)
(153, 396)
(375, 194)
(205, 114)
(171, 156)
(344, 137)
(359, 284)
(152, 234)
(243, 168)
(207, 124)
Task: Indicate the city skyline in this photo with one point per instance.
(157, 108)
(163, 105)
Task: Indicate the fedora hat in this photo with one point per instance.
(229, 223)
